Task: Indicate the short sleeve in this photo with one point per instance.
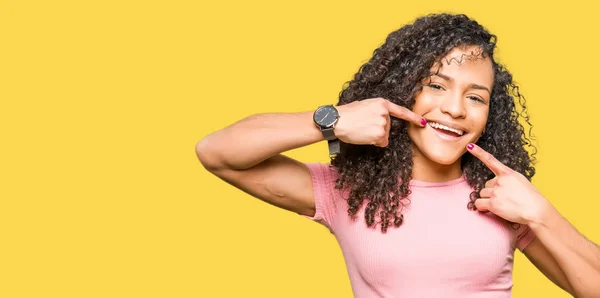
(323, 181)
(524, 236)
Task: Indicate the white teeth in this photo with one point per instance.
(444, 127)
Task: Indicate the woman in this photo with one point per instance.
(425, 134)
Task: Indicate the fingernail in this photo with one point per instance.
(470, 146)
(423, 122)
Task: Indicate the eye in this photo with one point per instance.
(435, 86)
(475, 98)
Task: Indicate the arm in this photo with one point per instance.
(247, 154)
(561, 244)
(543, 260)
(560, 252)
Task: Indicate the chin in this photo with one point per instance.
(442, 155)
(445, 159)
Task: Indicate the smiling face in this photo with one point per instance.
(455, 102)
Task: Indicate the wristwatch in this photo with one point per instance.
(325, 117)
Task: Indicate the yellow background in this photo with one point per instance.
(102, 103)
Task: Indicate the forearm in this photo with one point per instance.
(257, 138)
(578, 257)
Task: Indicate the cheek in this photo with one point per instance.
(423, 104)
(479, 119)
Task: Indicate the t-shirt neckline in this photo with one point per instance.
(420, 183)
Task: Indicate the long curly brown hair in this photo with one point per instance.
(381, 176)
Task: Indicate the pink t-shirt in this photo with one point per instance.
(442, 249)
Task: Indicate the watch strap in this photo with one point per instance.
(332, 141)
(334, 146)
(328, 133)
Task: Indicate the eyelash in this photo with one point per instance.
(436, 87)
(439, 87)
(477, 99)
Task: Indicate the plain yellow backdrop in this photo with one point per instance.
(102, 103)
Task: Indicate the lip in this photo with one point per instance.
(451, 125)
(444, 136)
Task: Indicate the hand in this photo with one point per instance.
(509, 195)
(367, 122)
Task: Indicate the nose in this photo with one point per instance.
(454, 105)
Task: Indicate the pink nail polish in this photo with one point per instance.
(470, 146)
(423, 122)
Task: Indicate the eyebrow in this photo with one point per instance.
(472, 85)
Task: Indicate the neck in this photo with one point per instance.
(427, 170)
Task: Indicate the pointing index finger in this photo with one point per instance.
(404, 113)
(488, 159)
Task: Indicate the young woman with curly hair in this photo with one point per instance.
(428, 191)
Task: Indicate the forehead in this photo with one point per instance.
(467, 65)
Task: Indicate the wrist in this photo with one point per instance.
(326, 118)
(543, 218)
(338, 129)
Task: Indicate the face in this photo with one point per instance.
(455, 102)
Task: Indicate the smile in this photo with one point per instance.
(446, 132)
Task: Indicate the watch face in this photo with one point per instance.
(325, 116)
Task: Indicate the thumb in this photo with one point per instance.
(482, 205)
